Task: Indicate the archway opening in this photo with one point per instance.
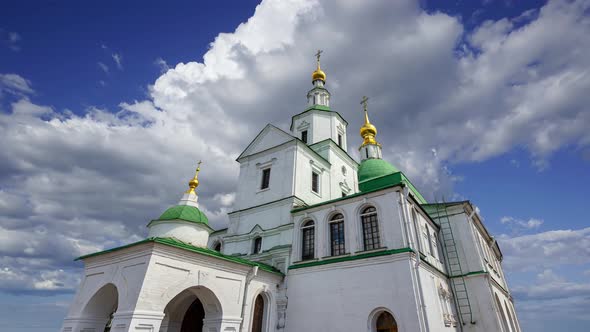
(193, 318)
(102, 306)
(385, 323)
(195, 309)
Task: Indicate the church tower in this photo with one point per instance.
(318, 122)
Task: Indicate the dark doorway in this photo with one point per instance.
(257, 319)
(193, 318)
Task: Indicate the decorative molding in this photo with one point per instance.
(303, 125)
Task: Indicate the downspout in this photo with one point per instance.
(422, 311)
(251, 275)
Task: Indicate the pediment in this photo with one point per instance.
(269, 137)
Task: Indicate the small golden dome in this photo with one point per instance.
(194, 182)
(368, 129)
(318, 74)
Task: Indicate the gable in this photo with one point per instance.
(269, 137)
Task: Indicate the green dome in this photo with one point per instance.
(374, 168)
(185, 212)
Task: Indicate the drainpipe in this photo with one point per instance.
(251, 275)
(422, 311)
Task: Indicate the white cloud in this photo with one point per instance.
(104, 67)
(14, 84)
(118, 58)
(519, 224)
(162, 64)
(546, 250)
(11, 39)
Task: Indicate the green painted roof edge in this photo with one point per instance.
(388, 180)
(351, 258)
(181, 245)
(318, 107)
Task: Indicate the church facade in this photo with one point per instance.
(316, 242)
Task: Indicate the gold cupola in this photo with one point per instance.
(368, 130)
(194, 182)
(318, 74)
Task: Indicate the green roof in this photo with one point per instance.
(374, 168)
(185, 212)
(388, 180)
(182, 245)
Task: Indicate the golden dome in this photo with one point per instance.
(368, 130)
(318, 74)
(194, 182)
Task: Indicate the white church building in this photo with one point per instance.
(317, 241)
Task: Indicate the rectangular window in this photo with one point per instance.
(315, 182)
(304, 136)
(265, 178)
(339, 140)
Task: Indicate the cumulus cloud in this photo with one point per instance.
(439, 94)
(546, 250)
(162, 64)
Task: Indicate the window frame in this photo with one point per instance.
(257, 245)
(375, 236)
(308, 249)
(315, 175)
(340, 140)
(304, 136)
(262, 179)
(340, 248)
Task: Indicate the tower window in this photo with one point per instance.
(257, 245)
(304, 136)
(265, 178)
(339, 140)
(315, 182)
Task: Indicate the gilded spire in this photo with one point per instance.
(318, 74)
(368, 131)
(194, 182)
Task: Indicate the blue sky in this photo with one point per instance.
(104, 109)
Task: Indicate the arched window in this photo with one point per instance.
(307, 240)
(257, 245)
(370, 228)
(258, 315)
(337, 246)
(385, 323)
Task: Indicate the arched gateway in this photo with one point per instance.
(192, 310)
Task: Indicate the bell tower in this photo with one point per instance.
(318, 122)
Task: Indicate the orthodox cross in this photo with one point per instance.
(199, 166)
(318, 54)
(364, 102)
